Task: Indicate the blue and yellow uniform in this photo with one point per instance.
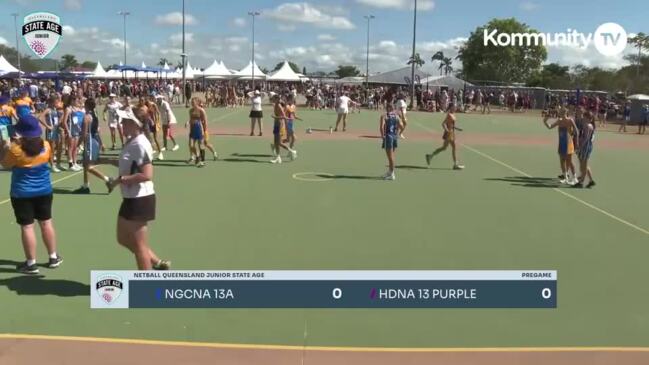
(7, 115)
(30, 176)
(23, 106)
(290, 118)
(566, 144)
(75, 123)
(390, 131)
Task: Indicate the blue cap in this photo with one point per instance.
(28, 126)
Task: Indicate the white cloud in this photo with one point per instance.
(177, 38)
(528, 6)
(234, 48)
(590, 57)
(175, 18)
(387, 44)
(68, 30)
(3, 41)
(308, 14)
(236, 40)
(286, 27)
(326, 38)
(72, 4)
(423, 5)
(239, 22)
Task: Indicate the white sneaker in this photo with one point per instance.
(216, 156)
(563, 181)
(390, 177)
(163, 149)
(276, 160)
(458, 167)
(292, 154)
(76, 168)
(55, 170)
(176, 148)
(161, 157)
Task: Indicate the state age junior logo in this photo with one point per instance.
(109, 288)
(42, 32)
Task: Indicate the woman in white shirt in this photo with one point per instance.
(342, 109)
(256, 112)
(139, 201)
(168, 119)
(402, 109)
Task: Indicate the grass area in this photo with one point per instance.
(244, 213)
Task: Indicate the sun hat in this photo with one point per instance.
(128, 114)
(28, 126)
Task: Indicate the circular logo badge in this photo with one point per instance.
(610, 39)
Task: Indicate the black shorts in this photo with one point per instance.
(28, 209)
(138, 209)
(256, 114)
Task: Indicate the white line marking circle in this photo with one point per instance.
(313, 176)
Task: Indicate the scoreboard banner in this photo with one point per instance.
(324, 289)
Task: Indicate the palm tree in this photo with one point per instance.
(416, 60)
(641, 41)
(447, 65)
(438, 56)
(163, 61)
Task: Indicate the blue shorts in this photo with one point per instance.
(585, 152)
(390, 142)
(289, 126)
(196, 132)
(276, 127)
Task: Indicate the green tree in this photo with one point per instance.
(303, 70)
(347, 71)
(89, 65)
(438, 56)
(495, 63)
(68, 61)
(446, 65)
(641, 42)
(553, 76)
(163, 61)
(26, 63)
(417, 60)
(294, 67)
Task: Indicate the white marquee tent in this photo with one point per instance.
(99, 72)
(285, 73)
(217, 71)
(5, 66)
(246, 72)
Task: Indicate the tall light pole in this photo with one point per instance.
(367, 57)
(124, 14)
(184, 59)
(15, 15)
(414, 40)
(253, 14)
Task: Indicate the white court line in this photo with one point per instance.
(568, 195)
(3, 202)
(53, 182)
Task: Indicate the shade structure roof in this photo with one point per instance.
(246, 72)
(285, 73)
(5, 66)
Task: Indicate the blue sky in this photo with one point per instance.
(316, 34)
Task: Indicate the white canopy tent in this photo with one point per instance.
(99, 72)
(217, 71)
(285, 73)
(246, 72)
(5, 66)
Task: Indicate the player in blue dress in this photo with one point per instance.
(391, 127)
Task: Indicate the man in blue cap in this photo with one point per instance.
(31, 189)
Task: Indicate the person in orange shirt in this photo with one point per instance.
(7, 116)
(24, 104)
(31, 190)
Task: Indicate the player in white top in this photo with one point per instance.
(402, 109)
(168, 120)
(113, 120)
(256, 112)
(342, 108)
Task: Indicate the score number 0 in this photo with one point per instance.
(337, 293)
